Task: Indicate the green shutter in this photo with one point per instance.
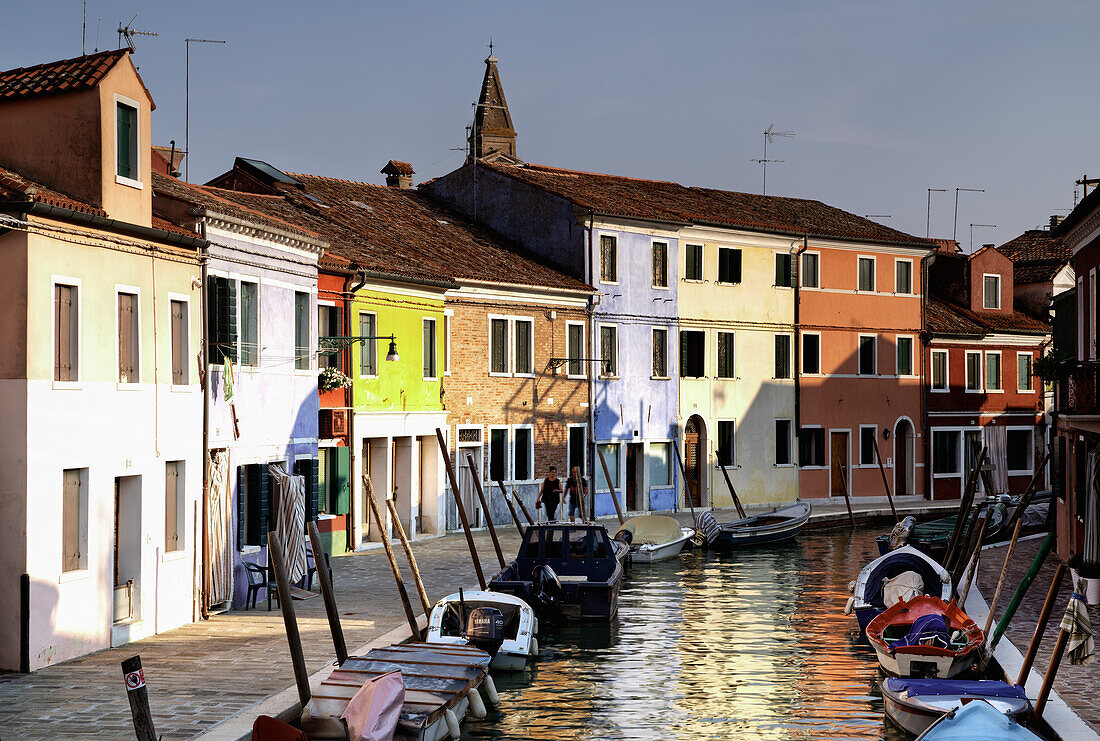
(231, 319)
(242, 536)
(321, 476)
(343, 480)
(307, 469)
(125, 156)
(264, 503)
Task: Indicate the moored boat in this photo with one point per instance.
(932, 537)
(915, 704)
(449, 619)
(925, 637)
(975, 721)
(773, 526)
(870, 591)
(653, 537)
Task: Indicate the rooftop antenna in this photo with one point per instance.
(985, 226)
(1085, 182)
(878, 216)
(955, 226)
(128, 33)
(928, 215)
(84, 30)
(768, 134)
(98, 21)
(187, 102)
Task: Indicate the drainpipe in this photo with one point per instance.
(797, 268)
(589, 278)
(204, 345)
(349, 402)
(925, 267)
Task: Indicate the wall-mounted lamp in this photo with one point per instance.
(333, 345)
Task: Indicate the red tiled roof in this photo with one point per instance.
(53, 78)
(945, 317)
(667, 201)
(397, 167)
(401, 232)
(168, 226)
(15, 187)
(1037, 255)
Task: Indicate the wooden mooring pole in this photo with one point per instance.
(458, 503)
(733, 492)
(522, 506)
(614, 496)
(847, 497)
(405, 602)
(327, 594)
(286, 605)
(1041, 624)
(511, 507)
(684, 476)
(485, 508)
(407, 547)
(963, 518)
(885, 485)
(138, 695)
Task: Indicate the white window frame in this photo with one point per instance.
(599, 259)
(653, 343)
(859, 350)
(359, 327)
(530, 454)
(507, 345)
(825, 449)
(63, 280)
(702, 262)
(138, 144)
(874, 273)
(911, 290)
(912, 355)
(966, 372)
(185, 344)
(802, 355)
(435, 346)
(83, 523)
(985, 296)
(801, 282)
(584, 339)
(792, 453)
(946, 371)
(568, 435)
(510, 345)
(181, 508)
(717, 423)
(1000, 373)
(1031, 366)
(859, 448)
(1030, 451)
(718, 266)
(599, 346)
(668, 273)
(135, 384)
(448, 320)
(599, 472)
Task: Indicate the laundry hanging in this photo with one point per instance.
(291, 518)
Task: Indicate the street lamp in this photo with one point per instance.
(333, 344)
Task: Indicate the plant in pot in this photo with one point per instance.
(330, 379)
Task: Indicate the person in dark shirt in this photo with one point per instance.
(576, 490)
(550, 494)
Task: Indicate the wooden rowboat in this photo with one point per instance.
(925, 637)
(774, 526)
(915, 704)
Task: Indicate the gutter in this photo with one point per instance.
(359, 277)
(797, 370)
(121, 227)
(380, 275)
(813, 235)
(925, 341)
(590, 277)
(315, 241)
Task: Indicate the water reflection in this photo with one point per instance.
(751, 645)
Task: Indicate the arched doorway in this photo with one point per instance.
(695, 446)
(904, 458)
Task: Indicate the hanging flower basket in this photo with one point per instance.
(331, 379)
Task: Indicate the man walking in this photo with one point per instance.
(576, 489)
(550, 494)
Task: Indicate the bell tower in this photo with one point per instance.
(492, 130)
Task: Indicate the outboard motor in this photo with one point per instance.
(706, 529)
(546, 588)
(485, 629)
(625, 536)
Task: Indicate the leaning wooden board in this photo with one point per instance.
(437, 678)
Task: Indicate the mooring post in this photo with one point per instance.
(847, 496)
(485, 509)
(886, 486)
(407, 547)
(286, 604)
(614, 496)
(327, 594)
(1041, 624)
(962, 519)
(138, 695)
(409, 614)
(522, 506)
(458, 503)
(511, 507)
(733, 493)
(687, 486)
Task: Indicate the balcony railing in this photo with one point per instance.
(1077, 386)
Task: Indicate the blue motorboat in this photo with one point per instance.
(869, 596)
(977, 721)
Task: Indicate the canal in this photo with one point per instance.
(751, 645)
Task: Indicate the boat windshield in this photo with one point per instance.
(552, 545)
(578, 543)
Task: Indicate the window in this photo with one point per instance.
(525, 361)
(1023, 372)
(904, 349)
(903, 276)
(578, 436)
(498, 454)
(939, 370)
(866, 274)
(446, 344)
(725, 355)
(66, 347)
(729, 265)
(659, 468)
(250, 325)
(992, 371)
(254, 515)
(498, 340)
(693, 354)
(174, 519)
(301, 330)
(221, 319)
(523, 454)
(782, 442)
(973, 371)
(867, 353)
(328, 325)
(574, 336)
(782, 356)
(74, 519)
(660, 353)
(811, 268)
(945, 451)
(811, 354)
(991, 291)
(180, 367)
(129, 363)
(693, 262)
(430, 353)
(609, 351)
(368, 349)
(126, 142)
(1018, 450)
(867, 445)
(783, 277)
(660, 265)
(610, 452)
(609, 259)
(811, 446)
(725, 443)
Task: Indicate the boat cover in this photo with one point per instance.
(953, 687)
(895, 563)
(904, 586)
(653, 529)
(373, 712)
(928, 630)
(708, 526)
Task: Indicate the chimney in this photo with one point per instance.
(398, 174)
(1056, 219)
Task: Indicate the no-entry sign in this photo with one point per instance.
(135, 680)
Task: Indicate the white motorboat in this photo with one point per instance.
(654, 537)
(448, 625)
(915, 704)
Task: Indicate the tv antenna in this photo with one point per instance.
(984, 226)
(128, 33)
(769, 133)
(187, 100)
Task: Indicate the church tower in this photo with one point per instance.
(492, 131)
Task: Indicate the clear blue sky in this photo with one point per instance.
(887, 99)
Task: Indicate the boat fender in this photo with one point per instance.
(851, 587)
(452, 723)
(477, 705)
(534, 647)
(850, 606)
(490, 691)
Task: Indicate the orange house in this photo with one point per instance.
(860, 369)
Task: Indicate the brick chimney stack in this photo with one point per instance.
(1056, 219)
(398, 174)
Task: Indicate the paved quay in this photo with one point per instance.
(210, 671)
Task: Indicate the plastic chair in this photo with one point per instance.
(311, 566)
(258, 578)
(267, 728)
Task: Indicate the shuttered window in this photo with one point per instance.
(74, 519)
(221, 319)
(783, 274)
(660, 353)
(729, 265)
(301, 330)
(524, 360)
(609, 351)
(127, 338)
(903, 276)
(307, 469)
(811, 354)
(253, 505)
(725, 355)
(523, 453)
(868, 352)
(250, 323)
(173, 506)
(66, 333)
(340, 486)
(693, 262)
(782, 356)
(693, 354)
(905, 356)
(782, 442)
(725, 443)
(180, 368)
(329, 324)
(811, 265)
(368, 349)
(498, 340)
(498, 454)
(126, 148)
(866, 274)
(811, 446)
(575, 340)
(660, 265)
(429, 348)
(609, 259)
(939, 370)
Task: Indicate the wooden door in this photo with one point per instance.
(691, 463)
(901, 460)
(631, 488)
(841, 473)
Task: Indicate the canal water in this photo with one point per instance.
(750, 645)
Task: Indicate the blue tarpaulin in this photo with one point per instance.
(956, 687)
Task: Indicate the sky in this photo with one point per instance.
(886, 99)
